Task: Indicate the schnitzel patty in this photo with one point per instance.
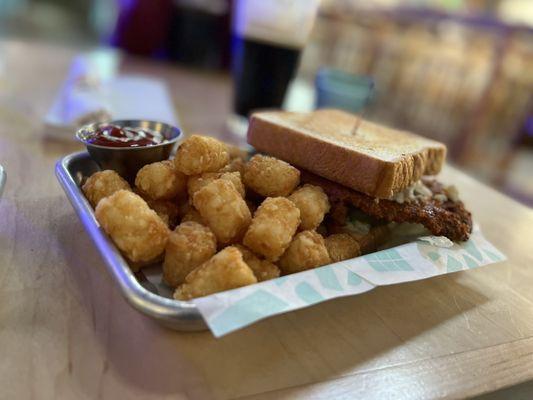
(442, 218)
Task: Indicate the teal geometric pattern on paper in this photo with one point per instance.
(354, 279)
(388, 260)
(249, 309)
(492, 256)
(281, 280)
(414, 260)
(453, 265)
(472, 249)
(460, 256)
(470, 262)
(433, 255)
(327, 278)
(308, 294)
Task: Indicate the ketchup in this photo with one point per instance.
(116, 136)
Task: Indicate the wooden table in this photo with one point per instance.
(66, 332)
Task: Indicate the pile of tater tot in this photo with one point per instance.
(217, 221)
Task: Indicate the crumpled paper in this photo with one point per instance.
(419, 259)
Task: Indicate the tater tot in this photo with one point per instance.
(235, 178)
(235, 165)
(193, 215)
(368, 242)
(270, 177)
(223, 209)
(134, 227)
(342, 246)
(224, 271)
(375, 237)
(263, 269)
(272, 227)
(198, 154)
(237, 152)
(313, 204)
(160, 180)
(102, 184)
(306, 251)
(189, 246)
(166, 210)
(196, 182)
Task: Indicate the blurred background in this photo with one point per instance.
(459, 71)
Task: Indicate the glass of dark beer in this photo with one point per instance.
(268, 36)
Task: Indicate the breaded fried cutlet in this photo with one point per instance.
(442, 218)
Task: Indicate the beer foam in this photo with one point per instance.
(283, 22)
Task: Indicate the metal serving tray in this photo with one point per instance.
(138, 291)
(2, 179)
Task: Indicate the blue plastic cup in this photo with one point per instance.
(339, 89)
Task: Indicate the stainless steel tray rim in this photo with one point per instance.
(180, 315)
(2, 179)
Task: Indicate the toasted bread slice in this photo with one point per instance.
(376, 160)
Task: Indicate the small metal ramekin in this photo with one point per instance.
(128, 160)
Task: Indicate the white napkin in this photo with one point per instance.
(94, 92)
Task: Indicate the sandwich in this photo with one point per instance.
(370, 172)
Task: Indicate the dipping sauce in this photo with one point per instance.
(115, 136)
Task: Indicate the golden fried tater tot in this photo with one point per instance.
(237, 152)
(263, 269)
(306, 251)
(199, 154)
(193, 215)
(224, 271)
(235, 165)
(102, 184)
(313, 204)
(235, 178)
(223, 209)
(368, 242)
(134, 227)
(375, 237)
(196, 182)
(342, 246)
(272, 227)
(270, 177)
(166, 210)
(160, 180)
(189, 246)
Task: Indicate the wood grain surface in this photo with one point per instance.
(66, 332)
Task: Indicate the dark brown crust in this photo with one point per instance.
(448, 218)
